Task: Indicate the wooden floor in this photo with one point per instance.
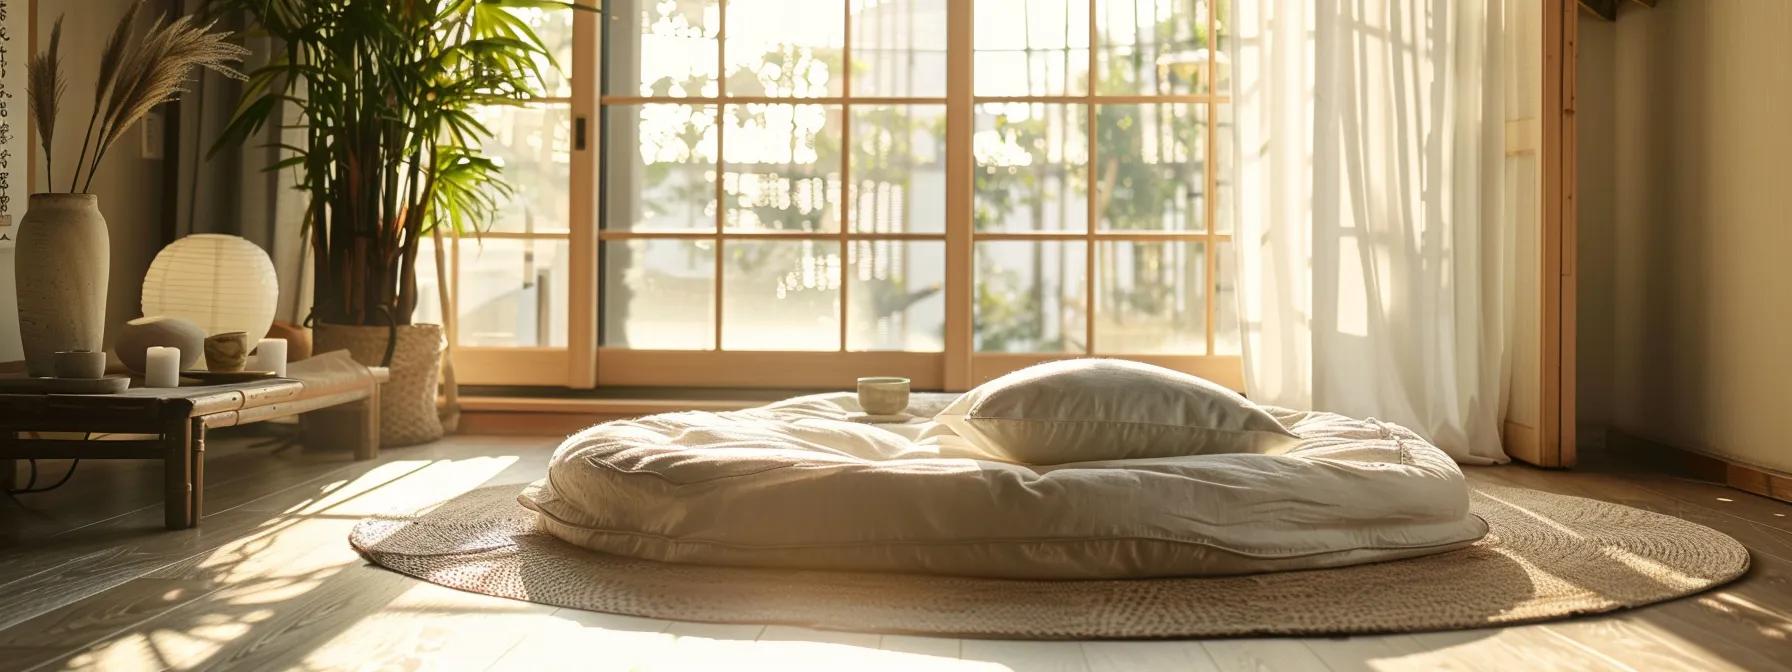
(89, 579)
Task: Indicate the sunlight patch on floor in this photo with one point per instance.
(575, 640)
(1771, 623)
(1652, 568)
(425, 626)
(783, 648)
(1642, 645)
(404, 485)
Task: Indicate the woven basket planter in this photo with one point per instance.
(408, 400)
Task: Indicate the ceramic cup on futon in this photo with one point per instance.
(883, 395)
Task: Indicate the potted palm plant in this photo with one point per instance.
(384, 92)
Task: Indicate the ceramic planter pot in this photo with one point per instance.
(407, 401)
(64, 259)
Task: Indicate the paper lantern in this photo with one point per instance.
(221, 283)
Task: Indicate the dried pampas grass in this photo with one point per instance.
(44, 86)
(108, 75)
(133, 79)
(154, 72)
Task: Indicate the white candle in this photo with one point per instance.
(270, 355)
(161, 367)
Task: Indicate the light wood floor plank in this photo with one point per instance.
(289, 582)
(1124, 656)
(937, 647)
(570, 639)
(1498, 649)
(1025, 656)
(1261, 655)
(93, 561)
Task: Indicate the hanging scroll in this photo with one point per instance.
(15, 37)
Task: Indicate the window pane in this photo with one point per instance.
(1224, 159)
(1222, 27)
(897, 297)
(554, 27)
(662, 47)
(781, 295)
(429, 299)
(899, 48)
(1032, 167)
(1151, 298)
(660, 167)
(513, 293)
(533, 144)
(785, 48)
(1149, 160)
(782, 166)
(1227, 332)
(1032, 47)
(1029, 296)
(659, 294)
(1153, 46)
(899, 168)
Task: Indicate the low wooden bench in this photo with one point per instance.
(176, 421)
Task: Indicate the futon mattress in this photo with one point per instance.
(795, 484)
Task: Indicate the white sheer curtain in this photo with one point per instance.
(1374, 270)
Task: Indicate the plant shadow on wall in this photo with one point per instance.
(389, 152)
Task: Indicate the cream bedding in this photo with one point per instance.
(795, 484)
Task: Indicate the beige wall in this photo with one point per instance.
(1686, 216)
(129, 185)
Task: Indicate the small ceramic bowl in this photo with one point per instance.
(883, 395)
(80, 364)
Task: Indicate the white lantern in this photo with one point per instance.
(221, 283)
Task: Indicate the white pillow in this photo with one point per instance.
(1085, 410)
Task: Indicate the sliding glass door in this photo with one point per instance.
(792, 193)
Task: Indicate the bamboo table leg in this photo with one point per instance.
(198, 469)
(177, 473)
(367, 422)
(354, 425)
(9, 468)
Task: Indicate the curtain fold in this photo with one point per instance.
(1375, 268)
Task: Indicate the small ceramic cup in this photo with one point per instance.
(883, 395)
(227, 351)
(80, 364)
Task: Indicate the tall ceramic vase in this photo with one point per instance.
(64, 258)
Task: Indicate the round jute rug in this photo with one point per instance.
(1548, 557)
